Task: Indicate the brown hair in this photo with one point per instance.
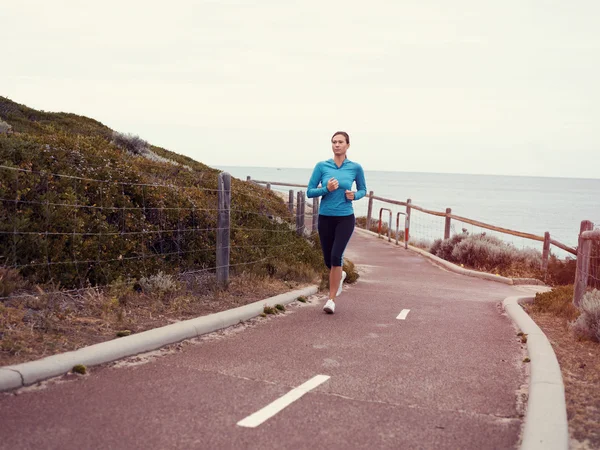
(343, 133)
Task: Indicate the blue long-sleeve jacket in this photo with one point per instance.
(335, 203)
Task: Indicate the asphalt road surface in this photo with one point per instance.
(415, 357)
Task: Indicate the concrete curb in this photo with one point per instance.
(12, 377)
(546, 425)
(457, 269)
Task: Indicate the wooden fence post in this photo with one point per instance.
(584, 248)
(223, 231)
(447, 225)
(302, 214)
(315, 212)
(408, 208)
(298, 212)
(546, 253)
(291, 202)
(370, 210)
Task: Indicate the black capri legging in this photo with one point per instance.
(335, 233)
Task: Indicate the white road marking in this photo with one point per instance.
(273, 408)
(403, 314)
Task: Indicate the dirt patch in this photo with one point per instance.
(40, 325)
(580, 365)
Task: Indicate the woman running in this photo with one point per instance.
(336, 213)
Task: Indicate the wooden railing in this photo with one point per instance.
(546, 239)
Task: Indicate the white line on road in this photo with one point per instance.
(403, 314)
(271, 409)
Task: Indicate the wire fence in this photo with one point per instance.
(594, 266)
(71, 233)
(516, 253)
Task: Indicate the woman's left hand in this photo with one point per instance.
(350, 195)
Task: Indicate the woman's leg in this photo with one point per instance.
(326, 227)
(335, 278)
(343, 233)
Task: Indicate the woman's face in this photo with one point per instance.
(339, 145)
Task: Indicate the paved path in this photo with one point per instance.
(445, 377)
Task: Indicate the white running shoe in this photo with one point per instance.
(329, 306)
(339, 291)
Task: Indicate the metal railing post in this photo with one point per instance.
(405, 228)
(389, 225)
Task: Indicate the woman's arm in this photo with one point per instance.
(361, 184)
(315, 179)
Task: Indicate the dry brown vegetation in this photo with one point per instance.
(38, 325)
(579, 361)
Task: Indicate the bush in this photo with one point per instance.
(131, 223)
(559, 301)
(444, 247)
(80, 369)
(132, 144)
(561, 272)
(160, 283)
(483, 252)
(488, 253)
(10, 281)
(587, 324)
(4, 127)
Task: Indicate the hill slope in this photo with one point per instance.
(80, 210)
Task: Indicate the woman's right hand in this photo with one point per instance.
(332, 184)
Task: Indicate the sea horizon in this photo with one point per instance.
(222, 167)
(529, 204)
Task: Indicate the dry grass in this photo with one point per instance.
(39, 325)
(578, 358)
(580, 367)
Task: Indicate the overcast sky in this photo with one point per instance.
(462, 86)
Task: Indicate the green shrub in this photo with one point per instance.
(80, 369)
(130, 223)
(558, 301)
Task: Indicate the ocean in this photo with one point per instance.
(527, 204)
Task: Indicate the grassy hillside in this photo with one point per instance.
(80, 210)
